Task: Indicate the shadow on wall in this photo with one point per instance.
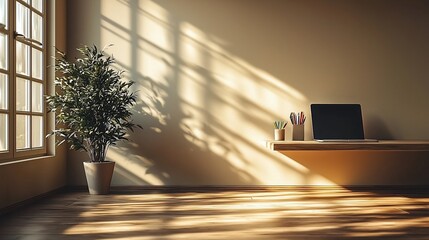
(375, 128)
(205, 103)
(174, 149)
(186, 143)
(205, 112)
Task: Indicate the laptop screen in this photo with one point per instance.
(337, 121)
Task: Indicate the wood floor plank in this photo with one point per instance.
(225, 213)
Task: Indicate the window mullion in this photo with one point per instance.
(5, 112)
(30, 75)
(12, 76)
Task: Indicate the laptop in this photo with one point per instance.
(338, 123)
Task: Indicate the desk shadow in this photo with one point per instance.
(367, 168)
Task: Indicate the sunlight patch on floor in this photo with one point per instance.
(253, 213)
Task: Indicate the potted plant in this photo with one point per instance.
(92, 105)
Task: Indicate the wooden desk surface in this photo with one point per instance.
(321, 146)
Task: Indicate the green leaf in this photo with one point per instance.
(92, 102)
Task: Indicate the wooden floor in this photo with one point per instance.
(228, 213)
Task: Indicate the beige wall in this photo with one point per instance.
(212, 76)
(25, 179)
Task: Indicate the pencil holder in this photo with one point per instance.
(279, 134)
(298, 132)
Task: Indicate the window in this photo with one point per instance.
(22, 78)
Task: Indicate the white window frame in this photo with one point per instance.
(13, 37)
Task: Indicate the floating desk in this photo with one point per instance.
(403, 145)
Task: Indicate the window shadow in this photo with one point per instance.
(204, 120)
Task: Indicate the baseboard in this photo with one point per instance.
(19, 205)
(217, 188)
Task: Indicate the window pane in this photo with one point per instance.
(22, 94)
(3, 91)
(22, 131)
(37, 97)
(3, 132)
(37, 64)
(3, 51)
(22, 58)
(3, 12)
(38, 4)
(22, 20)
(37, 28)
(37, 131)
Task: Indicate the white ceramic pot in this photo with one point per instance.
(99, 176)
